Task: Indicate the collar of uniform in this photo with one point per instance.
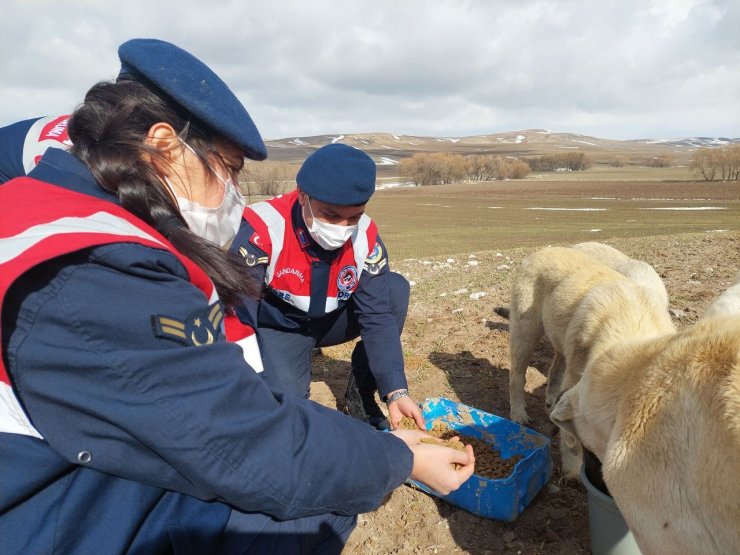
(308, 244)
(61, 168)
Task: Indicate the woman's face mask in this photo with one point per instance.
(329, 236)
(218, 224)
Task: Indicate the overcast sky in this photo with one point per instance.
(620, 69)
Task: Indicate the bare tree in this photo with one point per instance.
(269, 178)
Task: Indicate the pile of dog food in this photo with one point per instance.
(488, 461)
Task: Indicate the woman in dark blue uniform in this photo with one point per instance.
(128, 424)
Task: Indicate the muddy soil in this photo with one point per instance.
(456, 347)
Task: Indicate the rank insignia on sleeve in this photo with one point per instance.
(375, 268)
(252, 259)
(201, 328)
(376, 255)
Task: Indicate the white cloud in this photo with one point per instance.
(613, 68)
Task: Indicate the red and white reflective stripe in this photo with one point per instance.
(251, 352)
(276, 228)
(359, 243)
(12, 417)
(243, 335)
(99, 222)
(44, 133)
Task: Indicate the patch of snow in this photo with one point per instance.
(570, 209)
(478, 295)
(688, 208)
(337, 139)
(503, 267)
(473, 262)
(584, 142)
(460, 291)
(457, 310)
(385, 161)
(298, 142)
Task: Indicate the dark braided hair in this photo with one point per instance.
(108, 131)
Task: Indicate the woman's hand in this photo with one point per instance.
(405, 406)
(440, 468)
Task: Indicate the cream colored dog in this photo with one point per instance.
(547, 288)
(582, 306)
(639, 272)
(663, 416)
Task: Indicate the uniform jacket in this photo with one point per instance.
(306, 284)
(136, 425)
(23, 143)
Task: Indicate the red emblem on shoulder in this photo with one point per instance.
(56, 130)
(256, 240)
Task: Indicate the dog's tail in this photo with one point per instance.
(502, 311)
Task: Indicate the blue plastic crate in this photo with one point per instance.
(502, 499)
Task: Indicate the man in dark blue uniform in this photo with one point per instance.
(327, 282)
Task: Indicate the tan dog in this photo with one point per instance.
(663, 416)
(573, 300)
(639, 272)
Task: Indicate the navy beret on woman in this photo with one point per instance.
(338, 174)
(194, 86)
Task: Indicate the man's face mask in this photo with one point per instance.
(329, 236)
(220, 224)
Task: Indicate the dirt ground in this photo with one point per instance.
(456, 347)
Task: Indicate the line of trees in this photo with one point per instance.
(440, 168)
(717, 164)
(566, 161)
(268, 178)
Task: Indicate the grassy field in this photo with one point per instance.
(465, 218)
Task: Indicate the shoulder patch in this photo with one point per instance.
(375, 255)
(201, 328)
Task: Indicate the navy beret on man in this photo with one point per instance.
(194, 86)
(338, 174)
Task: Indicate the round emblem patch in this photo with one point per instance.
(347, 278)
(376, 254)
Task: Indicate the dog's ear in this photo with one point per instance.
(564, 411)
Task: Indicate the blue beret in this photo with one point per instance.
(338, 174)
(192, 85)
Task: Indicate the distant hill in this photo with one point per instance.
(387, 149)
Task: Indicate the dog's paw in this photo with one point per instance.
(572, 459)
(519, 415)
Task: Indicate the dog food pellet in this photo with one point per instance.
(488, 461)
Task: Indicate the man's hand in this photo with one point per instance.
(405, 406)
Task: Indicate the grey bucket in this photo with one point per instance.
(609, 532)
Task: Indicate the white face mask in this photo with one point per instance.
(220, 224)
(329, 236)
